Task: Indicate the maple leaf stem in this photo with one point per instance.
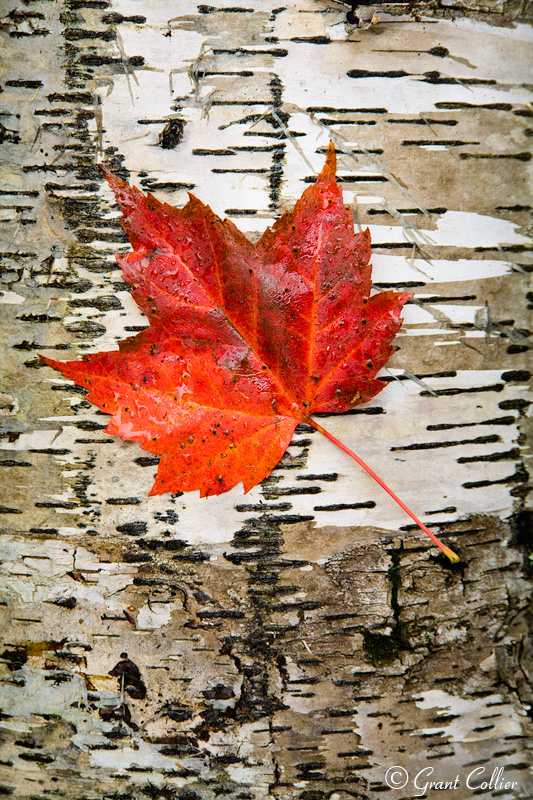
(454, 558)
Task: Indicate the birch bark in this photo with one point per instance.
(301, 640)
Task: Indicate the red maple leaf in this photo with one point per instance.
(245, 340)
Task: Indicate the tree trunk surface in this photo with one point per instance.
(303, 640)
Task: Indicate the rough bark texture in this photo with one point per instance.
(299, 641)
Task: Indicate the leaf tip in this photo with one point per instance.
(330, 167)
(112, 179)
(49, 361)
(119, 186)
(404, 297)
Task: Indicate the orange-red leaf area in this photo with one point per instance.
(245, 340)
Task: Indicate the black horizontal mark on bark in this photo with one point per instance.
(76, 34)
(162, 544)
(105, 303)
(56, 451)
(305, 605)
(331, 109)
(399, 284)
(514, 454)
(43, 168)
(365, 73)
(221, 614)
(311, 39)
(34, 32)
(264, 560)
(345, 506)
(41, 758)
(94, 441)
(518, 477)
(451, 106)
(71, 97)
(45, 531)
(17, 15)
(38, 318)
(377, 150)
(6, 254)
(276, 52)
(115, 19)
(50, 186)
(518, 348)
(390, 378)
(87, 236)
(448, 122)
(269, 134)
(326, 121)
(447, 426)
(517, 156)
(123, 501)
(204, 9)
(293, 491)
(135, 558)
(465, 297)
(392, 245)
(495, 387)
(262, 507)
(302, 427)
(245, 73)
(29, 193)
(147, 461)
(89, 425)
(371, 411)
(133, 528)
(516, 375)
(221, 171)
(438, 210)
(435, 77)
(151, 185)
(192, 558)
(240, 212)
(433, 445)
(287, 519)
(89, 4)
(52, 504)
(443, 142)
(152, 121)
(199, 151)
(518, 403)
(23, 84)
(329, 476)
(267, 148)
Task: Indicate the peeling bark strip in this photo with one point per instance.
(282, 644)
